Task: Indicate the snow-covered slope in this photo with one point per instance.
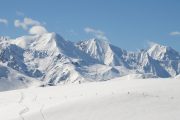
(51, 60)
(102, 51)
(97, 49)
(163, 53)
(147, 64)
(177, 76)
(11, 79)
(118, 99)
(168, 58)
(54, 56)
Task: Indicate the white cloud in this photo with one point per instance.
(33, 27)
(19, 13)
(3, 21)
(97, 33)
(19, 24)
(37, 30)
(175, 33)
(26, 23)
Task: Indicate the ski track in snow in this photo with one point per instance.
(25, 108)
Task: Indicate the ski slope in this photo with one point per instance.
(117, 99)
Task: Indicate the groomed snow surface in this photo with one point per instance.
(117, 99)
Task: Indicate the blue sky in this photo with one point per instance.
(129, 24)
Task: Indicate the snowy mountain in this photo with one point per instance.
(11, 79)
(48, 59)
(102, 51)
(163, 53)
(168, 58)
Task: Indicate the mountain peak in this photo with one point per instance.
(156, 47)
(98, 40)
(161, 52)
(98, 49)
(46, 41)
(53, 60)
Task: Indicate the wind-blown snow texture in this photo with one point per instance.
(48, 59)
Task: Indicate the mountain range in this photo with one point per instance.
(49, 59)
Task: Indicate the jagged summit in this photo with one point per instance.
(161, 52)
(46, 41)
(98, 49)
(51, 59)
(102, 51)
